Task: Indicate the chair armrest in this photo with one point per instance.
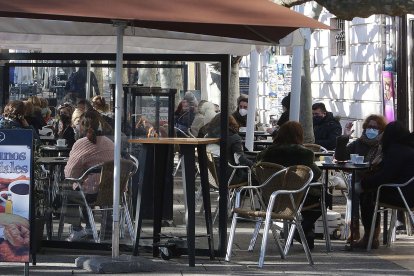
(182, 132)
(315, 184)
(394, 185)
(241, 189)
(94, 169)
(275, 194)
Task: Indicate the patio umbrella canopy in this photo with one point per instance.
(258, 20)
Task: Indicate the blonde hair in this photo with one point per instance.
(99, 103)
(76, 116)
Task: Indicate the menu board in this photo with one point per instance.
(15, 181)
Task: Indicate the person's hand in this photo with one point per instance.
(270, 130)
(24, 122)
(348, 129)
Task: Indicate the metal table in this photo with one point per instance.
(349, 167)
(159, 147)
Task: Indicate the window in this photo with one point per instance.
(338, 37)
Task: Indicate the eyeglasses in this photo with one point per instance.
(373, 127)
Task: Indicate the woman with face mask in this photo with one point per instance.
(64, 129)
(367, 145)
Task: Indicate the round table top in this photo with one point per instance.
(347, 165)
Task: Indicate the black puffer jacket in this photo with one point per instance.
(326, 131)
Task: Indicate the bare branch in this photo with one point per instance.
(348, 9)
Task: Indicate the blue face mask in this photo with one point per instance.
(371, 133)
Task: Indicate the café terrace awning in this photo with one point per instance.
(157, 26)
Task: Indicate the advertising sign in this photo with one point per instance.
(15, 188)
(388, 90)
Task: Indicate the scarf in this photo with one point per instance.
(375, 152)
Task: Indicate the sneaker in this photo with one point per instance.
(77, 235)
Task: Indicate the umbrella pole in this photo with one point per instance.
(120, 26)
(251, 115)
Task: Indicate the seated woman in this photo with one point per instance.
(64, 129)
(13, 117)
(206, 112)
(368, 145)
(235, 148)
(100, 105)
(397, 167)
(287, 150)
(91, 149)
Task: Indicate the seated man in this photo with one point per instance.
(325, 126)
(91, 149)
(241, 112)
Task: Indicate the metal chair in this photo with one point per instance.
(105, 195)
(283, 193)
(232, 187)
(394, 209)
(315, 147)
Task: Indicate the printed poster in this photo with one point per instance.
(15, 182)
(389, 95)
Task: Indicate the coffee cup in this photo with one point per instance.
(359, 159)
(19, 195)
(353, 157)
(61, 142)
(328, 159)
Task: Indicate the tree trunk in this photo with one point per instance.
(305, 117)
(148, 76)
(172, 78)
(234, 89)
(99, 76)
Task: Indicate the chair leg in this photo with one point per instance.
(347, 222)
(371, 233)
(289, 238)
(121, 223)
(255, 234)
(304, 243)
(92, 223)
(408, 224)
(231, 237)
(178, 166)
(276, 237)
(128, 219)
(63, 211)
(325, 221)
(268, 221)
(392, 230)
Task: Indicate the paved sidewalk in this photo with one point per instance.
(397, 260)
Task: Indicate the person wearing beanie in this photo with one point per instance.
(285, 115)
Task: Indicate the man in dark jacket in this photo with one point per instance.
(325, 127)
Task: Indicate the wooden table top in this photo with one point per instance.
(52, 160)
(175, 141)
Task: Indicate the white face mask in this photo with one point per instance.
(243, 112)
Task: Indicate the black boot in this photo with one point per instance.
(310, 238)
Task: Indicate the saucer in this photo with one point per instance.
(361, 164)
(62, 146)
